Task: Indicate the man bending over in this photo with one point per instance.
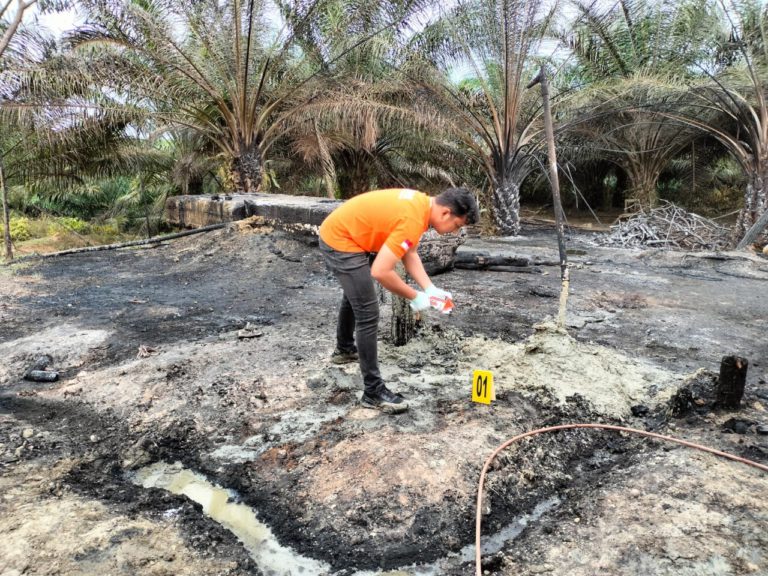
(389, 224)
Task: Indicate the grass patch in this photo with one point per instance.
(51, 234)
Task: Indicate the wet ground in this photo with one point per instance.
(153, 367)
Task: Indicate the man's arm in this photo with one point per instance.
(383, 271)
(415, 268)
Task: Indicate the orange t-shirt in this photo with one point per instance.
(396, 217)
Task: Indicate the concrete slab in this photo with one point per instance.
(199, 211)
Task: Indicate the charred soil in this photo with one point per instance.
(213, 351)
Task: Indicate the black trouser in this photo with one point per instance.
(359, 312)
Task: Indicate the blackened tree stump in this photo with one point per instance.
(403, 320)
(730, 386)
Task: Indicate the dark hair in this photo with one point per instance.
(461, 202)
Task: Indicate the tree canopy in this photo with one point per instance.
(336, 97)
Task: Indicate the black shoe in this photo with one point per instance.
(385, 400)
(340, 356)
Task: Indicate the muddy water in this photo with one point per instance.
(275, 559)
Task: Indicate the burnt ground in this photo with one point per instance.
(152, 368)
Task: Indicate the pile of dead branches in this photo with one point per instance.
(667, 227)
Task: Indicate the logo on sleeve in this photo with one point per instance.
(406, 245)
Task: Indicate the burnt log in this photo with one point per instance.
(41, 376)
(519, 269)
(154, 240)
(484, 261)
(730, 386)
(38, 373)
(438, 252)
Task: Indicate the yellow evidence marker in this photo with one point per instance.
(482, 386)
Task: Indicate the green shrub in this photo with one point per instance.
(110, 228)
(106, 233)
(20, 229)
(74, 224)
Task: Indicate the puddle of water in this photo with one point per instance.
(271, 557)
(275, 559)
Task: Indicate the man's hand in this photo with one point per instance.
(434, 291)
(420, 302)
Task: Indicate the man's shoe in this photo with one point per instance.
(340, 356)
(386, 401)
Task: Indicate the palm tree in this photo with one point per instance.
(732, 106)
(634, 59)
(57, 134)
(233, 72)
(19, 45)
(8, 30)
(192, 161)
(621, 122)
(362, 126)
(369, 134)
(491, 115)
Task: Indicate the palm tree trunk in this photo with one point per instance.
(506, 204)
(330, 186)
(146, 210)
(754, 232)
(247, 170)
(6, 215)
(642, 184)
(354, 179)
(360, 179)
(754, 204)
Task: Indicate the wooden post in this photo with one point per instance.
(730, 386)
(549, 132)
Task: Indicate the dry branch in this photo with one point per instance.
(668, 227)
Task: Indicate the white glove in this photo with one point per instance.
(420, 302)
(434, 291)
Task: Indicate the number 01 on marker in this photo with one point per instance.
(482, 386)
